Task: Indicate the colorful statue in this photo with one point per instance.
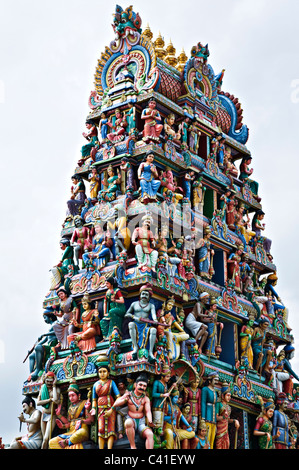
(89, 325)
(111, 183)
(76, 423)
(205, 255)
(283, 372)
(104, 392)
(68, 309)
(139, 410)
(203, 441)
(142, 331)
(41, 350)
(198, 330)
(189, 177)
(233, 267)
(143, 240)
(102, 245)
(114, 309)
(170, 132)
(170, 187)
(280, 433)
(246, 353)
(92, 136)
(192, 395)
(33, 439)
(118, 129)
(212, 345)
(148, 177)
(208, 406)
(78, 196)
(174, 422)
(263, 427)
(80, 241)
(94, 181)
(48, 397)
(152, 118)
(223, 420)
(258, 342)
(159, 393)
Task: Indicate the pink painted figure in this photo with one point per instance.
(151, 116)
(118, 129)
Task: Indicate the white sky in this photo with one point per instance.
(48, 56)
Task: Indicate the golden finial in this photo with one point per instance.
(147, 32)
(182, 59)
(159, 46)
(171, 57)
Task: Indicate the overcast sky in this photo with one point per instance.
(48, 56)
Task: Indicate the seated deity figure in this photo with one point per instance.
(143, 314)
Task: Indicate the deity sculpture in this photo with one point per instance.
(89, 325)
(283, 372)
(118, 129)
(48, 397)
(148, 177)
(33, 439)
(212, 344)
(281, 438)
(203, 440)
(142, 331)
(76, 423)
(143, 240)
(174, 421)
(246, 353)
(170, 132)
(94, 181)
(102, 245)
(114, 309)
(223, 419)
(77, 199)
(159, 393)
(111, 183)
(198, 330)
(233, 267)
(152, 118)
(192, 395)
(258, 342)
(104, 393)
(80, 241)
(67, 310)
(208, 406)
(205, 255)
(139, 410)
(92, 136)
(169, 186)
(263, 427)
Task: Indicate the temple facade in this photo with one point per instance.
(163, 324)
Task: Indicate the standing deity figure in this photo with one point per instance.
(48, 397)
(205, 255)
(143, 314)
(258, 343)
(149, 179)
(263, 426)
(139, 411)
(111, 183)
(94, 181)
(212, 345)
(159, 393)
(233, 267)
(104, 393)
(143, 239)
(80, 241)
(152, 118)
(33, 439)
(68, 309)
(209, 400)
(103, 127)
(223, 420)
(192, 395)
(189, 177)
(175, 422)
(203, 441)
(281, 438)
(246, 353)
(75, 424)
(114, 309)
